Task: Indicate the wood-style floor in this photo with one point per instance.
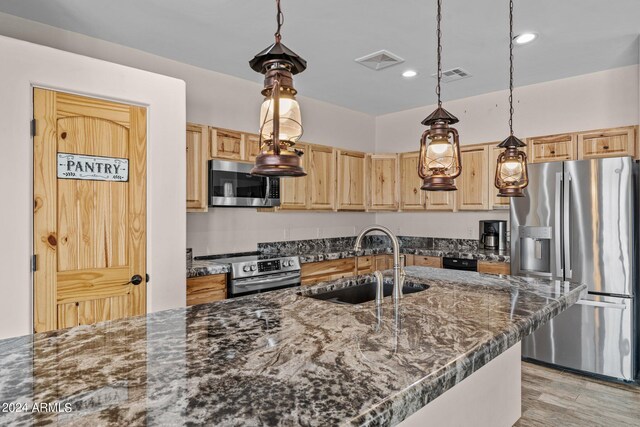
(551, 397)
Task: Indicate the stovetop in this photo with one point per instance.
(251, 264)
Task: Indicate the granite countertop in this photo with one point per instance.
(199, 268)
(279, 358)
(208, 267)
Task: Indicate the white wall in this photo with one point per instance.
(222, 100)
(25, 64)
(591, 101)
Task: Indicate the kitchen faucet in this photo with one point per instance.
(398, 268)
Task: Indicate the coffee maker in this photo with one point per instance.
(493, 235)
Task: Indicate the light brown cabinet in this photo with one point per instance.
(383, 262)
(227, 144)
(205, 289)
(493, 267)
(607, 143)
(552, 148)
(382, 182)
(251, 142)
(322, 177)
(364, 264)
(351, 180)
(294, 194)
(473, 182)
(315, 272)
(427, 261)
(197, 143)
(441, 200)
(495, 202)
(411, 196)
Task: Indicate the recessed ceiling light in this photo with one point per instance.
(525, 38)
(409, 73)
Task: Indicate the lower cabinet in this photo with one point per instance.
(205, 289)
(364, 264)
(427, 261)
(383, 262)
(493, 267)
(315, 272)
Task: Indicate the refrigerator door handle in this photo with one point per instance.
(602, 304)
(566, 226)
(557, 228)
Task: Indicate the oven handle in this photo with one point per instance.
(266, 193)
(285, 278)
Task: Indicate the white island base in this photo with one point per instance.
(490, 397)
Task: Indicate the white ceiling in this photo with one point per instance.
(576, 37)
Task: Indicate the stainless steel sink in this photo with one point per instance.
(363, 293)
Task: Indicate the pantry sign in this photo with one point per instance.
(92, 168)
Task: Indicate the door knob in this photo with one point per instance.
(136, 280)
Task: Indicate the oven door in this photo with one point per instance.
(231, 184)
(270, 282)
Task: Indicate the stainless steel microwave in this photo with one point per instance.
(231, 184)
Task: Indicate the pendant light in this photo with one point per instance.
(280, 118)
(439, 161)
(511, 169)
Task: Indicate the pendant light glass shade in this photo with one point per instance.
(280, 117)
(439, 159)
(511, 172)
(290, 120)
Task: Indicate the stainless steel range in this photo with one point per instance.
(254, 272)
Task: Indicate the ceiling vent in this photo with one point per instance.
(452, 75)
(380, 60)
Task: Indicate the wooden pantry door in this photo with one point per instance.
(89, 220)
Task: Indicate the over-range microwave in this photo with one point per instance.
(231, 184)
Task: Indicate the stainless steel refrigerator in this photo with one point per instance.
(578, 222)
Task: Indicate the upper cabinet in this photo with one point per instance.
(351, 180)
(197, 143)
(473, 182)
(383, 185)
(294, 191)
(227, 144)
(607, 143)
(251, 146)
(411, 196)
(495, 202)
(322, 177)
(553, 148)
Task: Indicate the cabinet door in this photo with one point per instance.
(364, 264)
(227, 144)
(427, 261)
(493, 267)
(197, 143)
(383, 262)
(440, 200)
(473, 182)
(382, 179)
(205, 289)
(552, 148)
(251, 146)
(607, 143)
(322, 177)
(411, 196)
(315, 272)
(351, 180)
(495, 202)
(294, 191)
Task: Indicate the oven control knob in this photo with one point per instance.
(288, 263)
(246, 268)
(254, 267)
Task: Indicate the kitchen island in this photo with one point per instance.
(279, 358)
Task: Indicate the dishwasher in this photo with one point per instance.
(460, 264)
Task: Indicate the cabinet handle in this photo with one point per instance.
(553, 151)
(606, 147)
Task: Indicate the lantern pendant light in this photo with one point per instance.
(439, 161)
(511, 169)
(280, 118)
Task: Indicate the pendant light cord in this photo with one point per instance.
(439, 53)
(511, 67)
(280, 21)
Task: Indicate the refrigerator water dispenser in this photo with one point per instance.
(535, 249)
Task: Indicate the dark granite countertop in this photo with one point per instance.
(206, 268)
(278, 358)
